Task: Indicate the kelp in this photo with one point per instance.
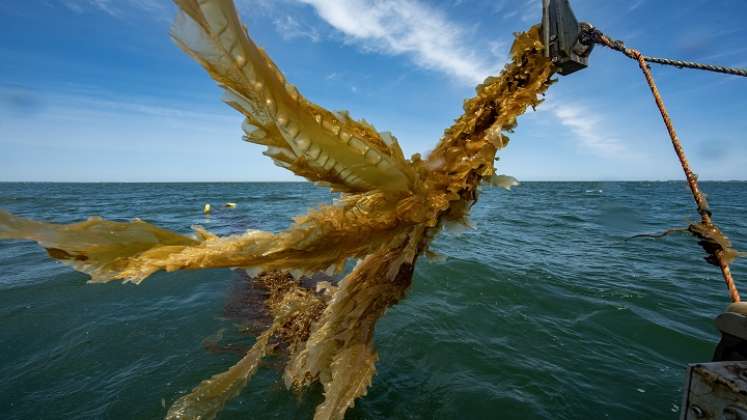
(389, 211)
(97, 247)
(292, 308)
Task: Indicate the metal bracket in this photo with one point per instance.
(563, 37)
(715, 391)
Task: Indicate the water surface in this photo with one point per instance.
(543, 310)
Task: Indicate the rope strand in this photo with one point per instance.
(590, 34)
(698, 66)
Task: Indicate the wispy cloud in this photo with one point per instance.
(531, 11)
(290, 28)
(79, 6)
(588, 130)
(635, 5)
(116, 8)
(88, 104)
(410, 28)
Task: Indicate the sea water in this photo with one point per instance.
(543, 309)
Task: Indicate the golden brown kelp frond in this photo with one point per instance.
(209, 397)
(391, 211)
(323, 146)
(355, 226)
(289, 305)
(282, 288)
(466, 152)
(320, 241)
(352, 371)
(339, 352)
(97, 247)
(500, 100)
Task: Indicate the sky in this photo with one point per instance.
(95, 90)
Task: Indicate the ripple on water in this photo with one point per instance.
(545, 310)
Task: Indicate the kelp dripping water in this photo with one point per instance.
(389, 211)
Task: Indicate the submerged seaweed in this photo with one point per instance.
(390, 209)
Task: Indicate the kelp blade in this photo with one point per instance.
(97, 247)
(208, 398)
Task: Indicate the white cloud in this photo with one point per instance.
(78, 136)
(635, 5)
(532, 11)
(586, 126)
(89, 104)
(397, 27)
(407, 27)
(290, 28)
(498, 48)
(79, 6)
(116, 7)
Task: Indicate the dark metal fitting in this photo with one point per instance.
(566, 41)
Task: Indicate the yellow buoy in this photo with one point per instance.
(207, 208)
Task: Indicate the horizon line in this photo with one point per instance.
(309, 182)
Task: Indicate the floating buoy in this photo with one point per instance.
(503, 181)
(231, 205)
(207, 208)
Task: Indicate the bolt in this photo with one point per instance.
(699, 413)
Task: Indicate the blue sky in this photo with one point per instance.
(94, 90)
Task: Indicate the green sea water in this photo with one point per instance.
(542, 311)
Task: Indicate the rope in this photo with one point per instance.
(713, 241)
(590, 34)
(698, 66)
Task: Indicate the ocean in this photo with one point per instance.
(542, 310)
